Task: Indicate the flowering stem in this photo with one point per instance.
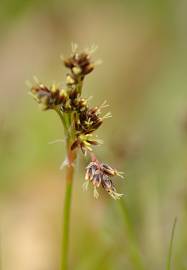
(79, 121)
(71, 157)
(66, 217)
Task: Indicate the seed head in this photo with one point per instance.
(79, 119)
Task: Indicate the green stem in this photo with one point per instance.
(66, 217)
(71, 157)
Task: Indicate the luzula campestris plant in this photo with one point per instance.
(79, 121)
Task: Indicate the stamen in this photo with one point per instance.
(107, 115)
(120, 174)
(104, 105)
(74, 47)
(85, 186)
(115, 195)
(95, 193)
(36, 80)
(91, 49)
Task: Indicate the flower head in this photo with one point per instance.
(79, 119)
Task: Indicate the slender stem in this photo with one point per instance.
(168, 266)
(71, 157)
(66, 221)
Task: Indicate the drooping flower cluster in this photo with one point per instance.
(99, 173)
(79, 119)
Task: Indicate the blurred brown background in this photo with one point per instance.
(143, 78)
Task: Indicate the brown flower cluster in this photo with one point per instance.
(98, 174)
(49, 97)
(79, 65)
(79, 119)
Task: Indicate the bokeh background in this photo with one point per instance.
(143, 77)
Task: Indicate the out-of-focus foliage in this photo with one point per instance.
(143, 75)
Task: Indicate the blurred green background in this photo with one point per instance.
(143, 77)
